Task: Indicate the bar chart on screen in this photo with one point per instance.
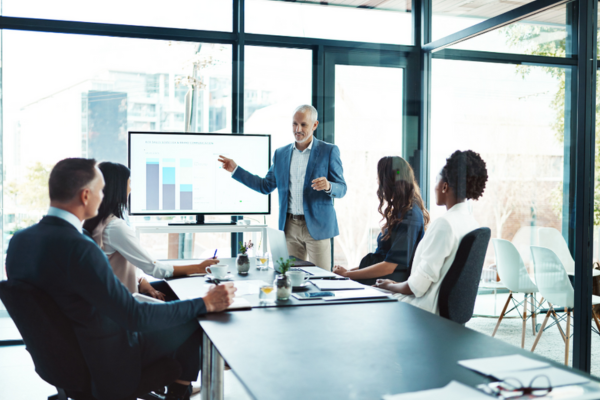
(180, 174)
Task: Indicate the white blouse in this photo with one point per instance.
(119, 237)
(435, 254)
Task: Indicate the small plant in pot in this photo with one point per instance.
(243, 261)
(282, 283)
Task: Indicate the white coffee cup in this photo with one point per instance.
(298, 278)
(218, 271)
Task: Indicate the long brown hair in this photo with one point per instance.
(397, 192)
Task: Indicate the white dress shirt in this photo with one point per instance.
(119, 237)
(435, 254)
(298, 166)
(67, 216)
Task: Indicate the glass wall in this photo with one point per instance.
(450, 16)
(368, 126)
(544, 34)
(206, 15)
(382, 22)
(514, 117)
(78, 96)
(276, 81)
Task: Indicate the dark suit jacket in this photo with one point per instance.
(54, 257)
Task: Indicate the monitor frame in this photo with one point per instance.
(175, 214)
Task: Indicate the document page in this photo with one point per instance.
(493, 365)
(452, 391)
(329, 284)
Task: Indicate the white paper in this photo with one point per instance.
(557, 377)
(316, 271)
(330, 284)
(493, 365)
(245, 288)
(452, 391)
(194, 287)
(367, 293)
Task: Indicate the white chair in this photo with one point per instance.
(553, 240)
(515, 277)
(554, 284)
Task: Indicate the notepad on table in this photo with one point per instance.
(452, 391)
(330, 284)
(492, 365)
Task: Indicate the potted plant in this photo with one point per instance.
(282, 282)
(243, 261)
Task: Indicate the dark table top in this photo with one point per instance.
(352, 351)
(269, 276)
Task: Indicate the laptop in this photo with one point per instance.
(279, 250)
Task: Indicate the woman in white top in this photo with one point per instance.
(463, 177)
(119, 241)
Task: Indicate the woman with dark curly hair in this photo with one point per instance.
(463, 177)
(404, 219)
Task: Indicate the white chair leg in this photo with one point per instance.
(502, 314)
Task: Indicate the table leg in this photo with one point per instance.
(264, 240)
(217, 370)
(206, 367)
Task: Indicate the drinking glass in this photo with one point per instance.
(262, 261)
(266, 294)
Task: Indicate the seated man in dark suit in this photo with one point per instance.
(118, 336)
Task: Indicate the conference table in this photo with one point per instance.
(341, 351)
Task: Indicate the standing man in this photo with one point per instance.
(308, 175)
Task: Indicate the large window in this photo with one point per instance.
(380, 22)
(276, 81)
(78, 96)
(451, 16)
(513, 116)
(191, 14)
(368, 126)
(544, 34)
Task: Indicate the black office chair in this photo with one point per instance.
(51, 342)
(459, 287)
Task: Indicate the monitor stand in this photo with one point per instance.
(200, 221)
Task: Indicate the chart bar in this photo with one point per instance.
(186, 179)
(152, 184)
(168, 179)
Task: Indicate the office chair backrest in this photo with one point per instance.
(511, 268)
(48, 335)
(551, 238)
(551, 278)
(459, 287)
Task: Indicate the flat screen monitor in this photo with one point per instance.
(179, 173)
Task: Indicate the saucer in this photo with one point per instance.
(228, 277)
(303, 286)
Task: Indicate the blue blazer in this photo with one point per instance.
(70, 267)
(319, 213)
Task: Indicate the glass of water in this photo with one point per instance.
(266, 294)
(262, 262)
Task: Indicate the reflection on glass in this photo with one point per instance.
(84, 105)
(544, 34)
(380, 22)
(368, 126)
(450, 16)
(277, 80)
(514, 117)
(214, 15)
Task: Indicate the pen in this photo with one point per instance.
(215, 256)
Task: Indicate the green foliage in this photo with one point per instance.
(244, 247)
(534, 40)
(285, 265)
(32, 192)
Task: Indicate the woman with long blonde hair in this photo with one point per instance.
(404, 218)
